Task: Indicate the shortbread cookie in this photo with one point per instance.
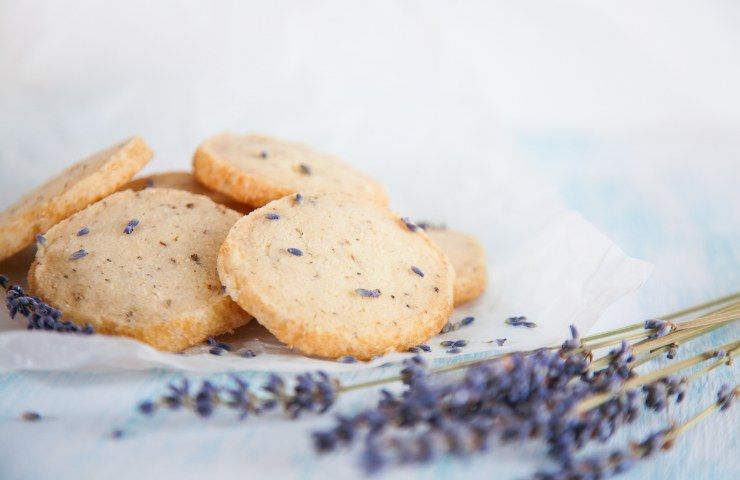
(256, 169)
(83, 183)
(185, 181)
(333, 275)
(468, 259)
(141, 264)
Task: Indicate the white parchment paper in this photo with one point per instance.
(565, 272)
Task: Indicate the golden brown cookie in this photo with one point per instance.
(185, 181)
(256, 169)
(83, 183)
(141, 264)
(468, 259)
(333, 275)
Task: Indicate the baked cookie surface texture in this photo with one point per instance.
(142, 265)
(185, 181)
(256, 169)
(332, 275)
(76, 187)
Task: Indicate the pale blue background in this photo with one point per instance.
(627, 111)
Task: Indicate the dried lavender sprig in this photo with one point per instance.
(456, 366)
(516, 387)
(411, 376)
(654, 344)
(596, 400)
(40, 316)
(670, 316)
(682, 333)
(311, 392)
(657, 346)
(600, 423)
(621, 460)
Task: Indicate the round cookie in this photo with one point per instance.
(185, 181)
(468, 259)
(333, 275)
(78, 186)
(143, 265)
(256, 169)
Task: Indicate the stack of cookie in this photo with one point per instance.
(262, 228)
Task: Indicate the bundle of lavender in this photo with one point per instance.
(564, 397)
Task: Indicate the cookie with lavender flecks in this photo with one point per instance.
(256, 169)
(468, 259)
(185, 181)
(143, 265)
(75, 188)
(334, 276)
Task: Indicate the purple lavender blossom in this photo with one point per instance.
(129, 229)
(520, 321)
(661, 327)
(363, 292)
(409, 224)
(725, 396)
(78, 254)
(39, 315)
(417, 270)
(311, 392)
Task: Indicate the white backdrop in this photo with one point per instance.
(396, 87)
